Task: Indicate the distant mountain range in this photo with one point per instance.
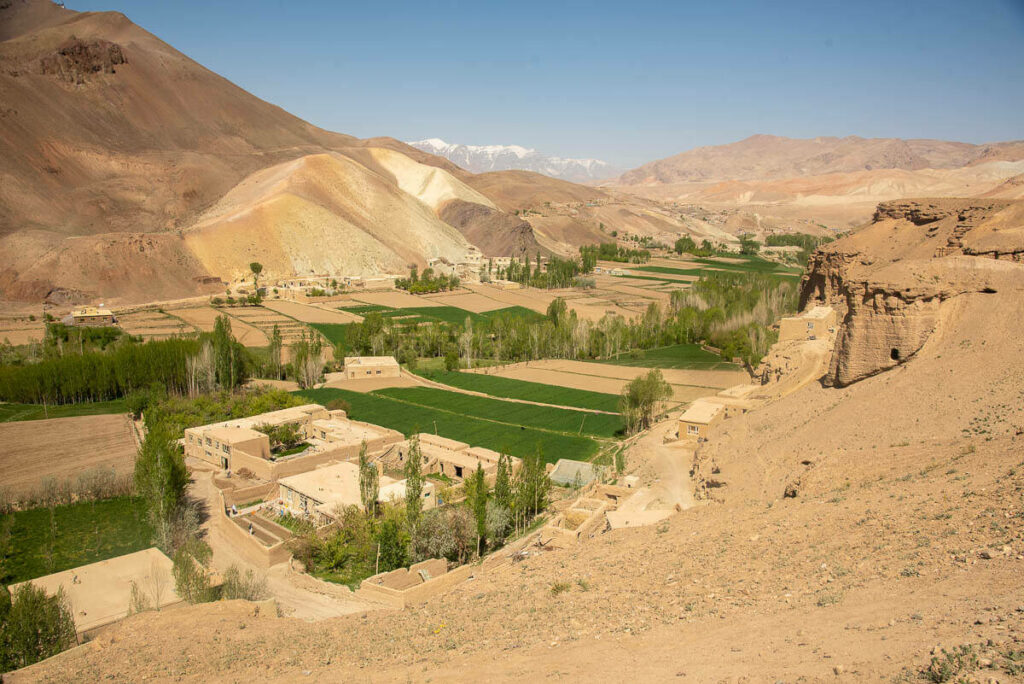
(484, 158)
(768, 157)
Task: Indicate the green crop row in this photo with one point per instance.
(530, 391)
(530, 415)
(409, 419)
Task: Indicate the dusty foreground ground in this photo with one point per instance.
(63, 448)
(905, 536)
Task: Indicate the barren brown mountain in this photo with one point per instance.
(835, 181)
(131, 173)
(114, 147)
(767, 157)
(849, 531)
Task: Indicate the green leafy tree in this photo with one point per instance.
(191, 578)
(33, 626)
(413, 471)
(503, 482)
(641, 398)
(160, 479)
(274, 352)
(557, 310)
(447, 532)
(369, 481)
(391, 546)
(476, 497)
(451, 358)
(256, 268)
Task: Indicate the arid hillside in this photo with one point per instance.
(131, 173)
(847, 533)
(771, 157)
(114, 147)
(835, 181)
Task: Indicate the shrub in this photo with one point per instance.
(248, 586)
(949, 664)
(191, 581)
(445, 533)
(33, 626)
(338, 405)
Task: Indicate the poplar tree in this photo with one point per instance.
(476, 497)
(369, 480)
(413, 485)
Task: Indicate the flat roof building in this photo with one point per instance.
(328, 436)
(90, 316)
(358, 367)
(451, 458)
(320, 492)
(100, 593)
(698, 420)
(811, 324)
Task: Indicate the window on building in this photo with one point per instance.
(692, 430)
(378, 372)
(209, 441)
(225, 448)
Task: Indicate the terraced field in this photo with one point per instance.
(530, 391)
(264, 320)
(153, 325)
(605, 425)
(517, 440)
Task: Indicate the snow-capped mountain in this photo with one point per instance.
(482, 158)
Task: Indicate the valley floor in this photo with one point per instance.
(905, 537)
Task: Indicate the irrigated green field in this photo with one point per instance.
(517, 440)
(546, 418)
(10, 413)
(336, 333)
(76, 535)
(674, 356)
(530, 391)
(751, 265)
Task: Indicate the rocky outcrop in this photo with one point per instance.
(889, 279)
(494, 232)
(75, 60)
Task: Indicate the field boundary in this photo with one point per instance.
(452, 388)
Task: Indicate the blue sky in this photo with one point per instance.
(627, 82)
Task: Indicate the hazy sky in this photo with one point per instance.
(627, 82)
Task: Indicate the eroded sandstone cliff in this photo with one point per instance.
(889, 279)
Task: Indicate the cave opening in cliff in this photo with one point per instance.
(894, 354)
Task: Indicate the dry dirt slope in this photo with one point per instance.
(907, 532)
(112, 143)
